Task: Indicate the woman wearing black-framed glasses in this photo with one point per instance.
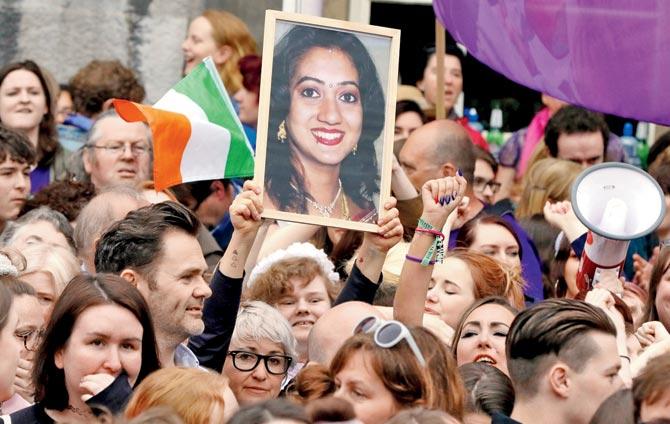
(261, 352)
(28, 333)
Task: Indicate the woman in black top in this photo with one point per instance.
(99, 343)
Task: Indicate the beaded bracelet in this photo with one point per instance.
(418, 260)
(436, 248)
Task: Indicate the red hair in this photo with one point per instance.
(491, 278)
(250, 68)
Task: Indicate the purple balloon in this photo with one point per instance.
(611, 56)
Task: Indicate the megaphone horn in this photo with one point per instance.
(617, 202)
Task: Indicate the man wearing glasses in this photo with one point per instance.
(117, 152)
(484, 184)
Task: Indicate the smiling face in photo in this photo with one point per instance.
(326, 115)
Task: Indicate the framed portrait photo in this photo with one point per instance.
(325, 120)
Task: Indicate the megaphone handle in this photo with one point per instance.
(589, 272)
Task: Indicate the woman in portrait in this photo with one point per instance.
(326, 111)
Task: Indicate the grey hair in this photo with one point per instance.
(258, 321)
(98, 215)
(94, 133)
(43, 213)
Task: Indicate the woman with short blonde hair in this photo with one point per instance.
(262, 349)
(48, 269)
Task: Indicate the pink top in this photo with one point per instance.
(14, 403)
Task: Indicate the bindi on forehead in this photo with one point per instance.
(319, 60)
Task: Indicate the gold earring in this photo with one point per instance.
(353, 152)
(281, 132)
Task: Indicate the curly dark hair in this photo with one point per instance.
(15, 146)
(574, 120)
(101, 80)
(359, 173)
(66, 197)
(47, 141)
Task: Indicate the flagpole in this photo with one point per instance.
(439, 56)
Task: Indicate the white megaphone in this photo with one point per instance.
(617, 202)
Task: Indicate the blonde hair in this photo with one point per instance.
(56, 261)
(229, 30)
(548, 179)
(192, 393)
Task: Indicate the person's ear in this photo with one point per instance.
(106, 105)
(222, 54)
(559, 380)
(131, 276)
(137, 280)
(58, 359)
(419, 85)
(448, 170)
(223, 192)
(87, 161)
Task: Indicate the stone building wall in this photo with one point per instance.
(64, 35)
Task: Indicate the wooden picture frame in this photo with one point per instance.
(320, 133)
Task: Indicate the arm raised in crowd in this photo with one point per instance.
(365, 276)
(562, 216)
(440, 198)
(220, 310)
(245, 215)
(604, 299)
(655, 341)
(279, 238)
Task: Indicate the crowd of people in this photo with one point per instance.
(120, 303)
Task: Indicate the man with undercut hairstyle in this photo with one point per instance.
(155, 249)
(563, 362)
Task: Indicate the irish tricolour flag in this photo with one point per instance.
(196, 133)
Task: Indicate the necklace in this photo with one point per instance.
(326, 210)
(80, 412)
(345, 208)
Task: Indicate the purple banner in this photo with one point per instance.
(611, 56)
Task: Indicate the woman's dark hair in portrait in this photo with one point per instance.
(359, 173)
